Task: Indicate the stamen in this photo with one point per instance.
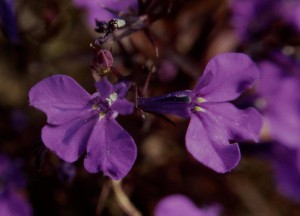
(101, 115)
(197, 108)
(200, 100)
(112, 98)
(95, 107)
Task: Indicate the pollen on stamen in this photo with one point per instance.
(200, 100)
(101, 115)
(95, 107)
(112, 98)
(197, 108)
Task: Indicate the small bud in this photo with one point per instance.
(103, 61)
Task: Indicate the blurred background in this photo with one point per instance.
(43, 38)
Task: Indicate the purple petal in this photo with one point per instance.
(123, 107)
(60, 97)
(13, 204)
(179, 205)
(241, 125)
(287, 172)
(281, 94)
(290, 10)
(122, 88)
(69, 140)
(97, 9)
(110, 149)
(250, 17)
(207, 141)
(226, 76)
(105, 88)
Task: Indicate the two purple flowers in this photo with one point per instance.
(79, 122)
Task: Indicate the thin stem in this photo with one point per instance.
(106, 188)
(123, 200)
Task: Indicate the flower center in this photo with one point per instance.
(197, 106)
(103, 106)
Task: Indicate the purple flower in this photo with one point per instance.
(14, 204)
(279, 102)
(99, 9)
(167, 71)
(78, 121)
(252, 17)
(11, 177)
(290, 11)
(286, 166)
(12, 182)
(178, 205)
(215, 124)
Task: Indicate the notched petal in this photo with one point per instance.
(69, 141)
(110, 149)
(226, 76)
(60, 97)
(209, 143)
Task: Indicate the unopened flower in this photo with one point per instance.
(216, 125)
(79, 122)
(178, 205)
(103, 62)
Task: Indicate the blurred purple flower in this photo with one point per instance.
(8, 20)
(98, 9)
(167, 71)
(252, 17)
(290, 11)
(280, 103)
(12, 202)
(286, 165)
(78, 121)
(178, 205)
(215, 125)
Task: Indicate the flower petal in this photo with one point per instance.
(122, 88)
(280, 93)
(178, 205)
(110, 149)
(60, 97)
(226, 76)
(14, 204)
(69, 140)
(123, 106)
(241, 125)
(105, 88)
(286, 168)
(98, 9)
(207, 141)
